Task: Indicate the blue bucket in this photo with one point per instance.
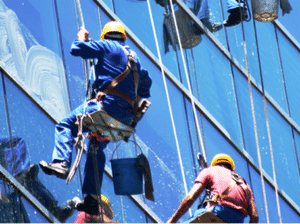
(127, 177)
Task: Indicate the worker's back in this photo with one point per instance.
(218, 178)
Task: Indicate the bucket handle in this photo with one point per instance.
(126, 142)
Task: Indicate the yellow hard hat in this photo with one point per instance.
(113, 27)
(223, 158)
(107, 206)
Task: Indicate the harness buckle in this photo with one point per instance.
(100, 94)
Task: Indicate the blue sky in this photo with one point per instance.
(292, 21)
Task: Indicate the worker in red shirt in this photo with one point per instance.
(232, 197)
(105, 215)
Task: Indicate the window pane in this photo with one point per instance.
(216, 88)
(290, 58)
(270, 63)
(36, 130)
(33, 55)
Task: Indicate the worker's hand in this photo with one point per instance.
(83, 34)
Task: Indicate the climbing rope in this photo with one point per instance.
(88, 80)
(94, 143)
(268, 129)
(168, 100)
(188, 82)
(256, 135)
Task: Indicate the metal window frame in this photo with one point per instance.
(185, 92)
(27, 195)
(199, 106)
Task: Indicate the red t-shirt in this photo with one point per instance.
(83, 217)
(217, 179)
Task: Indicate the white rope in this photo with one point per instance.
(189, 84)
(268, 130)
(272, 159)
(80, 12)
(94, 155)
(254, 122)
(169, 103)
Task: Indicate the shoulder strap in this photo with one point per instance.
(236, 180)
(131, 66)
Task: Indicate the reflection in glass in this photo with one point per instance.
(15, 158)
(36, 68)
(12, 209)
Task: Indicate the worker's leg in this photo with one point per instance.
(203, 10)
(89, 182)
(227, 214)
(233, 4)
(236, 14)
(65, 131)
(90, 185)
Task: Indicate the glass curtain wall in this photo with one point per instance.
(201, 102)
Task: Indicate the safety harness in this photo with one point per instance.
(110, 89)
(236, 180)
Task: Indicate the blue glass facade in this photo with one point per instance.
(204, 105)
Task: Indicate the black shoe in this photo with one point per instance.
(212, 27)
(88, 205)
(63, 213)
(28, 175)
(60, 169)
(32, 172)
(235, 17)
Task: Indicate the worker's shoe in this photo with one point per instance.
(59, 169)
(28, 175)
(88, 205)
(212, 27)
(63, 213)
(235, 17)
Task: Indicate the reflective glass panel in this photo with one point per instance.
(34, 132)
(215, 143)
(32, 53)
(290, 58)
(214, 80)
(287, 213)
(270, 63)
(249, 129)
(235, 36)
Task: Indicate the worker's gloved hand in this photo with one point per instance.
(83, 34)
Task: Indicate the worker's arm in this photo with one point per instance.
(252, 210)
(187, 202)
(86, 48)
(145, 80)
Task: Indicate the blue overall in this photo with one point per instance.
(233, 4)
(200, 7)
(112, 61)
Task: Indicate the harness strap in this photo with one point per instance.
(236, 180)
(131, 66)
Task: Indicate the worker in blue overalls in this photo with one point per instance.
(112, 60)
(201, 9)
